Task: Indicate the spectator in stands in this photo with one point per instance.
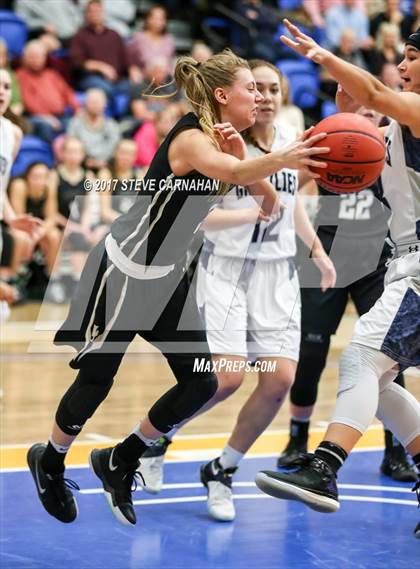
(157, 81)
(74, 204)
(390, 76)
(290, 113)
(347, 50)
(316, 9)
(263, 21)
(45, 94)
(60, 19)
(119, 15)
(347, 16)
(33, 194)
(411, 21)
(151, 43)
(99, 133)
(16, 105)
(122, 192)
(152, 132)
(388, 48)
(98, 54)
(391, 15)
(201, 51)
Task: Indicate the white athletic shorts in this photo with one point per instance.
(392, 325)
(250, 308)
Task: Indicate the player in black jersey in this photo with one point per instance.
(134, 281)
(348, 225)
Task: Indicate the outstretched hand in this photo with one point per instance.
(303, 44)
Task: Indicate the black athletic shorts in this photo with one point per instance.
(6, 246)
(109, 309)
(322, 311)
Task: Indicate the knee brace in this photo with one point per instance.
(399, 411)
(81, 400)
(193, 390)
(313, 355)
(361, 369)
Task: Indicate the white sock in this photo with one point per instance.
(148, 442)
(59, 448)
(230, 457)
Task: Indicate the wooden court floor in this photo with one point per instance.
(34, 377)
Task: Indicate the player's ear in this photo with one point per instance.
(220, 95)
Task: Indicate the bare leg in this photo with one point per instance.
(263, 404)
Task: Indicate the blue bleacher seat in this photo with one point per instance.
(303, 81)
(14, 32)
(32, 149)
(121, 104)
(289, 4)
(328, 108)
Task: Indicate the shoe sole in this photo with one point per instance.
(30, 459)
(213, 515)
(286, 491)
(95, 465)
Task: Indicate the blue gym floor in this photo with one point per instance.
(372, 530)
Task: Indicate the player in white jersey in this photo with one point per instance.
(249, 293)
(10, 138)
(387, 338)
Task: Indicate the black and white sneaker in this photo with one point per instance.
(292, 451)
(117, 478)
(53, 490)
(219, 490)
(308, 479)
(395, 465)
(152, 465)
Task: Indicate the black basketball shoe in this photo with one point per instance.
(308, 479)
(53, 490)
(292, 451)
(396, 466)
(117, 478)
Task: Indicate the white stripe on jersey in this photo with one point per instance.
(263, 241)
(401, 186)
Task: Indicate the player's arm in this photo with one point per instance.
(193, 150)
(304, 229)
(358, 83)
(221, 218)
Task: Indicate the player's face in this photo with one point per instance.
(268, 84)
(370, 114)
(239, 104)
(409, 69)
(5, 90)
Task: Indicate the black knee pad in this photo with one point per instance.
(193, 390)
(313, 356)
(81, 400)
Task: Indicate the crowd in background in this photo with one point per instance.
(94, 79)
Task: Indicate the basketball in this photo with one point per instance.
(357, 153)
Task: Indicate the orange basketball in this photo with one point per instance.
(357, 153)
